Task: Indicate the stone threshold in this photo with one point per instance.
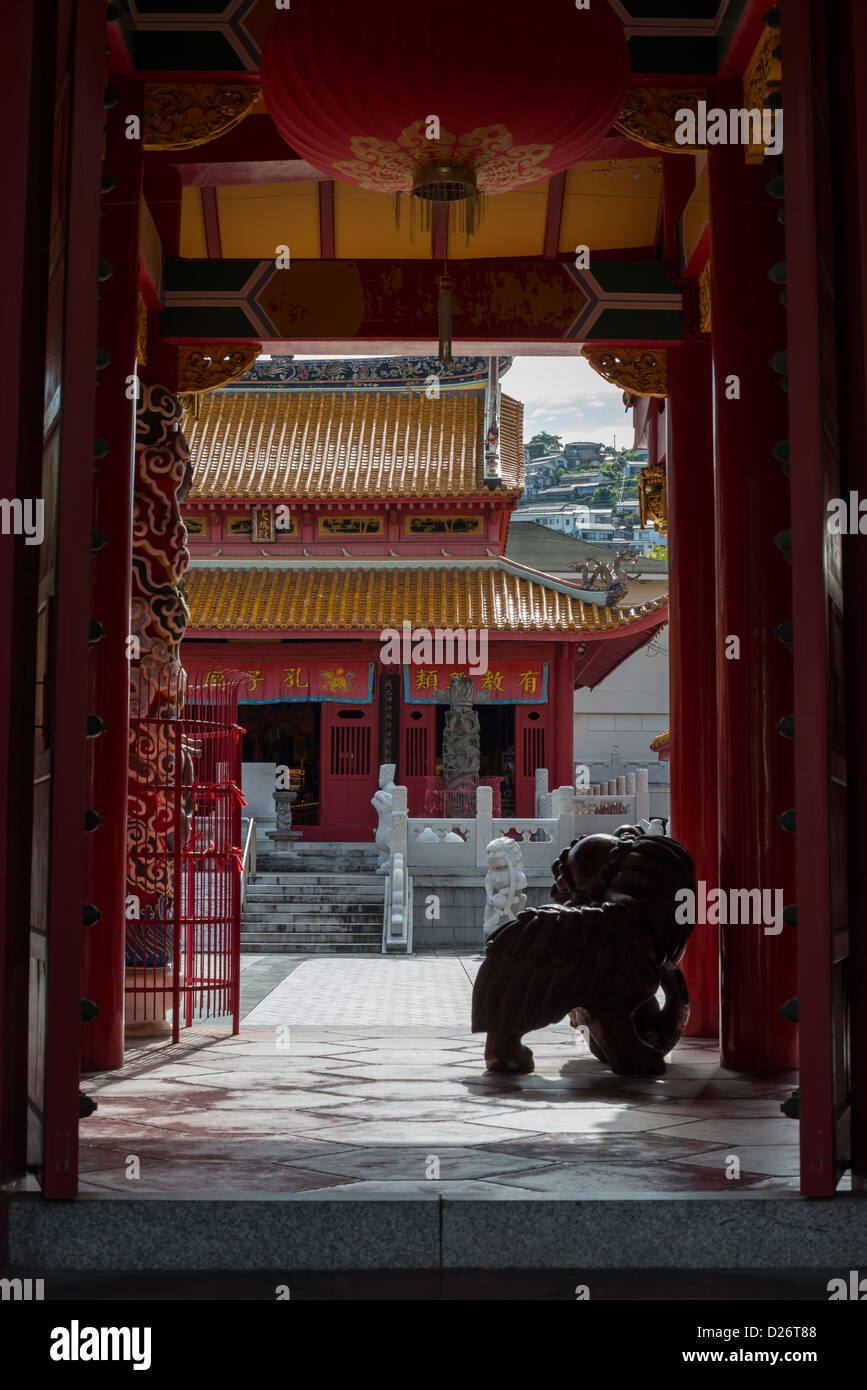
(313, 1232)
(410, 1285)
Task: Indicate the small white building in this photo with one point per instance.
(615, 722)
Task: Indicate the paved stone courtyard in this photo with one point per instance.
(370, 991)
(358, 1077)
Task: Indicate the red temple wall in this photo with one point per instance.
(345, 677)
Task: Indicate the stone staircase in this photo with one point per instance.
(326, 900)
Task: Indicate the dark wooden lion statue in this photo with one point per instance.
(600, 953)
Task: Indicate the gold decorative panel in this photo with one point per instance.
(640, 371)
(350, 526)
(263, 523)
(206, 368)
(653, 497)
(182, 115)
(141, 352)
(649, 116)
(444, 525)
(763, 76)
(704, 316)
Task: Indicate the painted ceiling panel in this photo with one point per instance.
(611, 206)
(257, 218)
(513, 225)
(364, 227)
(192, 224)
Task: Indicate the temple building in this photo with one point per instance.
(190, 190)
(321, 520)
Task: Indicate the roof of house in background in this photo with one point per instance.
(543, 548)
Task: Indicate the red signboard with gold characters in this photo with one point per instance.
(509, 682)
(272, 682)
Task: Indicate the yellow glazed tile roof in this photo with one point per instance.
(294, 445)
(343, 598)
(660, 741)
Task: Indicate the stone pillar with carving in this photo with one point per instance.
(461, 737)
(283, 835)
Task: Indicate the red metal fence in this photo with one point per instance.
(456, 796)
(184, 892)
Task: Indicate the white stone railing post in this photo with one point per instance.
(484, 823)
(399, 886)
(642, 795)
(543, 796)
(563, 810)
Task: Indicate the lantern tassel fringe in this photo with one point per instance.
(464, 216)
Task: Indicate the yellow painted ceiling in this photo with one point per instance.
(611, 206)
(696, 214)
(257, 218)
(607, 205)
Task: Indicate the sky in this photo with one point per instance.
(564, 396)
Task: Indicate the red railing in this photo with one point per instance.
(184, 901)
(456, 796)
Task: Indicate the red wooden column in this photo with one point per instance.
(693, 652)
(563, 726)
(27, 63)
(754, 596)
(108, 689)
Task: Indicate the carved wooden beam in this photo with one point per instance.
(206, 368)
(180, 116)
(648, 116)
(640, 371)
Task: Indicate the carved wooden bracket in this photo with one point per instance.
(763, 76)
(183, 115)
(653, 497)
(648, 116)
(141, 351)
(206, 368)
(704, 316)
(640, 371)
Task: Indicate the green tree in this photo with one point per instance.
(603, 496)
(658, 552)
(553, 442)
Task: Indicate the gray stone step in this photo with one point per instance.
(346, 882)
(311, 948)
(314, 866)
(328, 901)
(316, 907)
(259, 925)
(281, 892)
(320, 939)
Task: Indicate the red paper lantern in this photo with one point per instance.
(519, 92)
